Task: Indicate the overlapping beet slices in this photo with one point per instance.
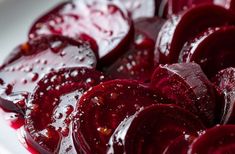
(50, 108)
(105, 24)
(101, 76)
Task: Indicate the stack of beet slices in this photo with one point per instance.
(125, 76)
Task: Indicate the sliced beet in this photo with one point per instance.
(50, 108)
(187, 86)
(149, 26)
(187, 25)
(105, 24)
(152, 129)
(218, 140)
(180, 145)
(29, 62)
(143, 8)
(137, 63)
(103, 108)
(225, 81)
(213, 50)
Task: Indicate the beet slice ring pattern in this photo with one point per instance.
(50, 108)
(225, 81)
(103, 23)
(152, 129)
(180, 29)
(29, 62)
(137, 63)
(218, 140)
(187, 86)
(208, 51)
(103, 108)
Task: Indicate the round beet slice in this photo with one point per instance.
(219, 140)
(104, 107)
(29, 62)
(213, 50)
(150, 26)
(180, 28)
(225, 81)
(137, 63)
(152, 129)
(105, 24)
(187, 86)
(50, 108)
(180, 145)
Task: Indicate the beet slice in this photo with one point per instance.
(219, 140)
(29, 62)
(105, 24)
(137, 63)
(149, 26)
(180, 145)
(213, 50)
(103, 108)
(187, 86)
(225, 81)
(181, 28)
(50, 108)
(152, 129)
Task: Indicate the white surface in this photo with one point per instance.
(16, 16)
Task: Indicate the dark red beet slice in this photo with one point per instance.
(180, 145)
(29, 62)
(225, 80)
(217, 140)
(103, 23)
(51, 107)
(151, 130)
(143, 8)
(149, 26)
(213, 50)
(187, 86)
(137, 63)
(181, 28)
(103, 108)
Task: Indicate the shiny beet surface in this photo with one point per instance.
(187, 86)
(225, 81)
(181, 28)
(217, 140)
(50, 108)
(213, 50)
(29, 62)
(104, 107)
(105, 24)
(180, 145)
(137, 63)
(152, 129)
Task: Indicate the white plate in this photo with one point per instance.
(16, 16)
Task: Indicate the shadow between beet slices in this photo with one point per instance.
(102, 108)
(51, 107)
(105, 24)
(152, 129)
